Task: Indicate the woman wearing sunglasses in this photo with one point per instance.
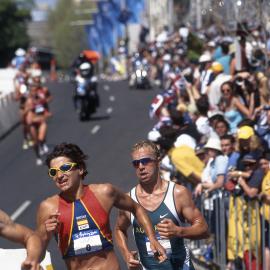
(166, 204)
(78, 216)
(233, 106)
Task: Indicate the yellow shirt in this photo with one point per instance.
(186, 161)
(265, 209)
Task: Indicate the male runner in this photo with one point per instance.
(21, 234)
(167, 205)
(79, 215)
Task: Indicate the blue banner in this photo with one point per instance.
(136, 7)
(105, 46)
(107, 23)
(93, 38)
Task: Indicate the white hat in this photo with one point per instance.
(153, 135)
(186, 140)
(20, 52)
(167, 57)
(206, 57)
(213, 143)
(211, 43)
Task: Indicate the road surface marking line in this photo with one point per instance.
(112, 98)
(109, 110)
(20, 210)
(95, 129)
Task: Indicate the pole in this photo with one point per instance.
(198, 14)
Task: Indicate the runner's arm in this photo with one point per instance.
(187, 209)
(124, 202)
(47, 223)
(22, 235)
(121, 238)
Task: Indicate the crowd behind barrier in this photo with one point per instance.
(213, 127)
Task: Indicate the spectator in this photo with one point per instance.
(221, 127)
(265, 208)
(243, 243)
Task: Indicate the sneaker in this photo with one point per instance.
(45, 148)
(30, 142)
(25, 145)
(40, 151)
(38, 161)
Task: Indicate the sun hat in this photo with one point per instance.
(206, 57)
(245, 132)
(217, 67)
(213, 143)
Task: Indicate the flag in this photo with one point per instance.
(107, 23)
(103, 41)
(93, 38)
(136, 7)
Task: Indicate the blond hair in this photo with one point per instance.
(146, 144)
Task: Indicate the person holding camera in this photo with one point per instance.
(243, 210)
(264, 196)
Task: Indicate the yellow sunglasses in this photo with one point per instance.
(66, 167)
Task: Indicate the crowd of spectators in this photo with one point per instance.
(213, 127)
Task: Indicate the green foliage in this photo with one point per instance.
(68, 41)
(13, 29)
(195, 47)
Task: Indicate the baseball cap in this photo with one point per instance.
(245, 132)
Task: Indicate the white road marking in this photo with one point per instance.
(95, 129)
(20, 210)
(109, 110)
(106, 87)
(112, 98)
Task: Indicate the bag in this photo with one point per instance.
(230, 185)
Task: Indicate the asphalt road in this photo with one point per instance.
(121, 120)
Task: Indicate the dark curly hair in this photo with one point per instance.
(71, 151)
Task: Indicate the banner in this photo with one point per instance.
(136, 7)
(93, 38)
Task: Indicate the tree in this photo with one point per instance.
(68, 41)
(13, 29)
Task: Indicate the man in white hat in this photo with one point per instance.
(19, 58)
(206, 74)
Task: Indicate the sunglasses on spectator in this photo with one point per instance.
(249, 163)
(66, 167)
(226, 90)
(144, 161)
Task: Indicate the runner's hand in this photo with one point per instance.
(132, 261)
(158, 250)
(52, 223)
(30, 265)
(167, 229)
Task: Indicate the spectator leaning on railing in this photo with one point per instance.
(265, 208)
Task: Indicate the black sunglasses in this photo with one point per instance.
(144, 161)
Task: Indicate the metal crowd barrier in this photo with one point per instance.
(237, 225)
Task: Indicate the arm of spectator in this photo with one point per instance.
(250, 191)
(242, 108)
(235, 174)
(214, 185)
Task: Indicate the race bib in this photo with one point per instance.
(86, 242)
(165, 242)
(39, 109)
